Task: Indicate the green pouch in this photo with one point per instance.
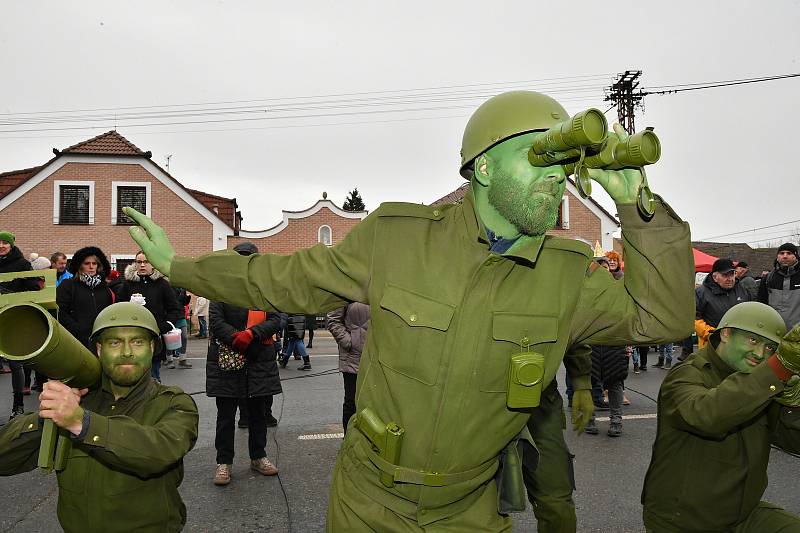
(525, 378)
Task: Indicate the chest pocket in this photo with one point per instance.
(413, 333)
(510, 332)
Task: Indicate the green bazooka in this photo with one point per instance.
(438, 356)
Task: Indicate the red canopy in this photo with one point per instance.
(702, 261)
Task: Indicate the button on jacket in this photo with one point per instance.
(448, 314)
(123, 475)
(715, 426)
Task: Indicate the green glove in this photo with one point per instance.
(789, 350)
(621, 185)
(791, 393)
(582, 409)
(152, 240)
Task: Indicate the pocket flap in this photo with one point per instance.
(524, 329)
(416, 309)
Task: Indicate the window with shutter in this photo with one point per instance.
(135, 197)
(73, 204)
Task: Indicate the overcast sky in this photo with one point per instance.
(729, 158)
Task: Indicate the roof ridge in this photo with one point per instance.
(111, 134)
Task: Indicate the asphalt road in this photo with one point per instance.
(609, 472)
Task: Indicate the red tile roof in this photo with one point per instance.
(225, 208)
(13, 179)
(110, 142)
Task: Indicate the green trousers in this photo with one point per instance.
(551, 482)
(765, 518)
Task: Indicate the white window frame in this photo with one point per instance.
(565, 212)
(114, 258)
(330, 233)
(117, 184)
(57, 184)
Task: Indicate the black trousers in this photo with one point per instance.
(349, 405)
(226, 428)
(643, 356)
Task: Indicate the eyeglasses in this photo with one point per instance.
(145, 262)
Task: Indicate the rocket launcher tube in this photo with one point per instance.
(29, 334)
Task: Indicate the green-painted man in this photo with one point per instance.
(718, 414)
(472, 310)
(129, 435)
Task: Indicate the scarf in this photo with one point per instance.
(90, 281)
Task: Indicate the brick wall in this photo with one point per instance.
(31, 216)
(583, 224)
(301, 233)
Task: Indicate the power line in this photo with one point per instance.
(749, 230)
(712, 85)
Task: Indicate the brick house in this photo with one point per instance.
(76, 198)
(578, 218)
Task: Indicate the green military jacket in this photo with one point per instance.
(123, 475)
(448, 314)
(715, 426)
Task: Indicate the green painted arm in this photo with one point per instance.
(655, 302)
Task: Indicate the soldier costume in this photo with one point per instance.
(715, 426)
(124, 468)
(447, 315)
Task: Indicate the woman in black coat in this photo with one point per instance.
(81, 297)
(256, 383)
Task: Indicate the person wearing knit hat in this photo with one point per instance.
(8, 237)
(13, 260)
(780, 289)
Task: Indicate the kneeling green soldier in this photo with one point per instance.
(128, 435)
(718, 414)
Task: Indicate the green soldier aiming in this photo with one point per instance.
(473, 308)
(718, 414)
(128, 435)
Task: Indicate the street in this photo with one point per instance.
(609, 472)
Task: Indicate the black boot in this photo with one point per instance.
(660, 362)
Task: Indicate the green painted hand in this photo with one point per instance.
(789, 350)
(621, 185)
(582, 409)
(152, 240)
(791, 394)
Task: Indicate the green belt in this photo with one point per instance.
(401, 474)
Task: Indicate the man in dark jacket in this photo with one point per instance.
(145, 285)
(718, 414)
(719, 292)
(295, 332)
(12, 260)
(249, 333)
(780, 289)
(746, 279)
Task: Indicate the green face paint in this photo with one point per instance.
(526, 196)
(743, 351)
(126, 355)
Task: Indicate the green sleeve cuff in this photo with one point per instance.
(664, 216)
(581, 382)
(97, 435)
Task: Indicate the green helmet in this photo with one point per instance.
(757, 318)
(504, 116)
(126, 314)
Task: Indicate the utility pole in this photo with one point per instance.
(626, 98)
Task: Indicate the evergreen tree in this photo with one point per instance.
(353, 202)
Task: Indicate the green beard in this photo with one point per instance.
(533, 214)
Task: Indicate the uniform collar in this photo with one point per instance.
(715, 361)
(525, 248)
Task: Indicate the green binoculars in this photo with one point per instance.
(586, 134)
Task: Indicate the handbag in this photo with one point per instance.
(227, 358)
